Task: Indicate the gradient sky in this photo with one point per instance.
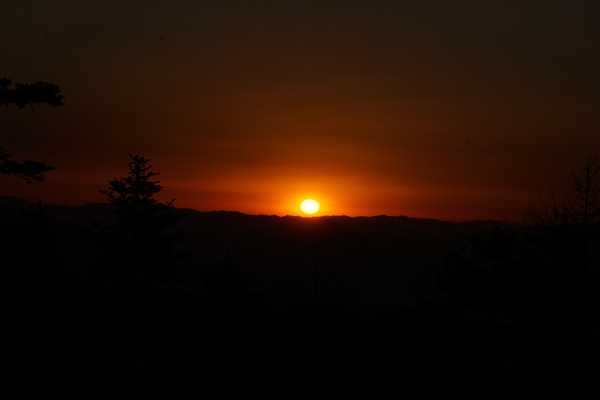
(453, 110)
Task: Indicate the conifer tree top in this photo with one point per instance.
(137, 187)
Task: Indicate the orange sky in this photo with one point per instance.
(424, 109)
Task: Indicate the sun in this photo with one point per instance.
(309, 206)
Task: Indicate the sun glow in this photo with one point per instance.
(309, 206)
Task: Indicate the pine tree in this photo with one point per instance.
(139, 248)
(28, 170)
(27, 94)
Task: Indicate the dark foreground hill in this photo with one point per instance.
(270, 307)
(382, 259)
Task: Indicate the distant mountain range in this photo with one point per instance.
(384, 259)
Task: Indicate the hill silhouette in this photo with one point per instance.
(385, 258)
(289, 307)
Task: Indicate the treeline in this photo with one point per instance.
(514, 314)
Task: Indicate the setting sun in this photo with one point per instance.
(309, 206)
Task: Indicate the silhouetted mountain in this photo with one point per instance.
(295, 308)
(384, 258)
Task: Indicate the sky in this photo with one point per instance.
(455, 110)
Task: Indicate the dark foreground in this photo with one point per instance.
(511, 313)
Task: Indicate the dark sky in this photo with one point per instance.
(447, 109)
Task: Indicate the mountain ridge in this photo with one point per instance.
(389, 257)
(14, 201)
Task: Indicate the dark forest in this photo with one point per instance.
(135, 298)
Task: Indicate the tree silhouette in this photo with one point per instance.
(586, 192)
(28, 170)
(27, 94)
(568, 227)
(532, 289)
(580, 206)
(140, 246)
